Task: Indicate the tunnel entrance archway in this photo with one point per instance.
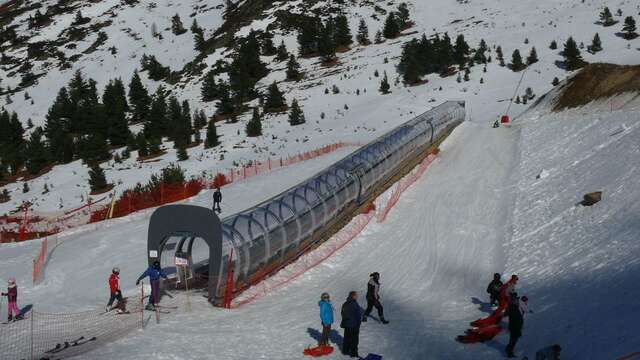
(189, 236)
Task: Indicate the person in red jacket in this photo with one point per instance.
(12, 297)
(116, 294)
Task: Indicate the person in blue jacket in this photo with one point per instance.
(326, 318)
(154, 273)
(351, 320)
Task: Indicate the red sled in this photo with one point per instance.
(318, 351)
(488, 321)
(479, 335)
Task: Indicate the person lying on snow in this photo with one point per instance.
(494, 289)
(12, 298)
(326, 318)
(154, 272)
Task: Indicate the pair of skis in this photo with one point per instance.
(68, 344)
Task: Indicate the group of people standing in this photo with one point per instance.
(352, 316)
(154, 272)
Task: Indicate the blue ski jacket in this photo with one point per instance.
(326, 312)
(152, 273)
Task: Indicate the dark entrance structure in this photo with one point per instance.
(179, 236)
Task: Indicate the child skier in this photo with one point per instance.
(326, 317)
(116, 294)
(154, 273)
(12, 298)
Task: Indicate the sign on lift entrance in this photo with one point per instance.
(181, 261)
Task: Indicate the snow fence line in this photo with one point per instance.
(29, 226)
(314, 258)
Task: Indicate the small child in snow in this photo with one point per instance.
(524, 306)
(326, 318)
(12, 297)
(116, 294)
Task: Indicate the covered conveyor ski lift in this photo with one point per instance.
(198, 250)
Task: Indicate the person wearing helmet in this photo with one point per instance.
(373, 298)
(326, 318)
(494, 289)
(116, 294)
(12, 298)
(154, 272)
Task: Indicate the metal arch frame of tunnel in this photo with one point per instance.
(295, 216)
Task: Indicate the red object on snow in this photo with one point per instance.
(318, 351)
(479, 335)
(504, 119)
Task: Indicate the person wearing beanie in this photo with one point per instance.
(12, 298)
(373, 298)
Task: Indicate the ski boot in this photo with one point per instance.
(384, 321)
(150, 307)
(18, 317)
(10, 318)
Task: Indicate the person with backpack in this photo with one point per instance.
(516, 321)
(116, 294)
(494, 289)
(326, 318)
(373, 298)
(12, 298)
(154, 272)
(351, 320)
(217, 199)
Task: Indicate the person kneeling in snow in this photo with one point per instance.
(326, 318)
(549, 353)
(494, 289)
(154, 273)
(12, 298)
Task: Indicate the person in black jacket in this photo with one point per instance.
(516, 321)
(373, 298)
(217, 199)
(351, 319)
(494, 289)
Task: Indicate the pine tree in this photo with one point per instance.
(293, 69)
(363, 33)
(403, 15)
(115, 104)
(142, 145)
(467, 72)
(411, 66)
(97, 180)
(553, 45)
(268, 48)
(500, 56)
(308, 37)
(156, 124)
(516, 61)
(606, 18)
(182, 153)
(281, 52)
(154, 146)
(480, 55)
(326, 42)
(572, 57)
(246, 69)
(533, 56)
(198, 41)
(57, 128)
(629, 28)
(209, 88)
(12, 143)
(93, 148)
(460, 51)
(274, 101)
(139, 99)
(296, 116)
(341, 32)
(195, 28)
(225, 104)
(596, 44)
(176, 25)
(391, 29)
(254, 126)
(384, 85)
(212, 136)
(37, 155)
(378, 38)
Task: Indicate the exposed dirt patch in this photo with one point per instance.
(598, 81)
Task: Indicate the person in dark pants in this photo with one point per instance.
(373, 298)
(116, 294)
(154, 273)
(351, 320)
(326, 318)
(494, 289)
(516, 321)
(217, 199)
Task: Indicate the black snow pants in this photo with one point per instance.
(513, 339)
(350, 341)
(115, 296)
(371, 303)
(324, 338)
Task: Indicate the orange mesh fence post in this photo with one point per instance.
(228, 294)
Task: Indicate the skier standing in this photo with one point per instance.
(12, 298)
(326, 317)
(516, 322)
(154, 273)
(351, 320)
(549, 353)
(116, 294)
(494, 289)
(373, 298)
(217, 199)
